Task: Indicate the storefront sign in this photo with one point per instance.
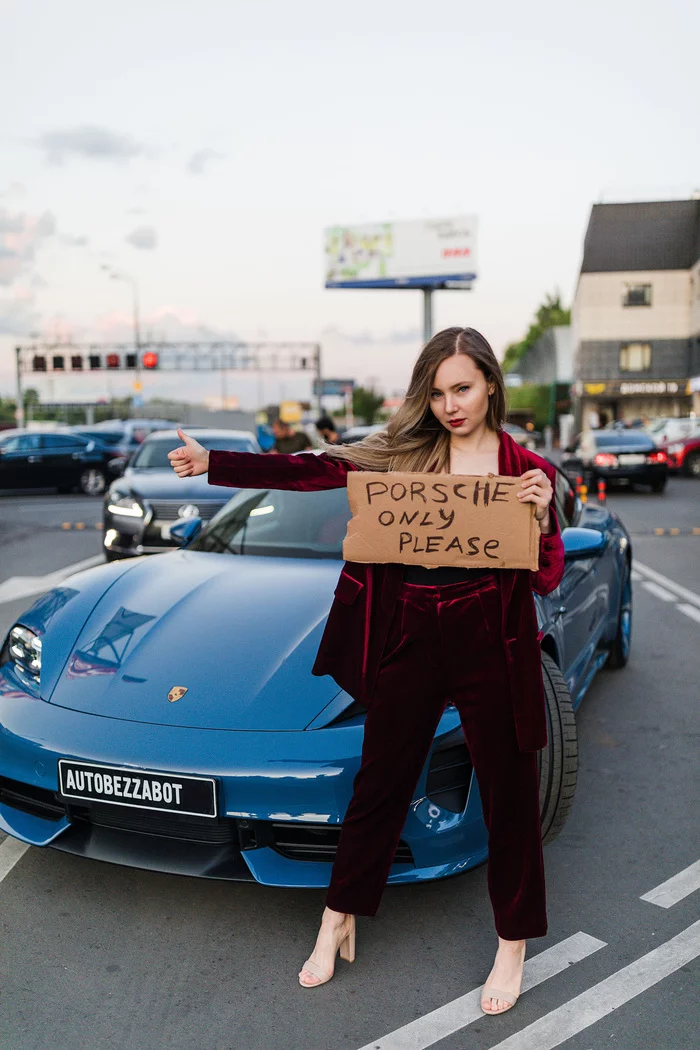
(635, 388)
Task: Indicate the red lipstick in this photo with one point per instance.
(456, 422)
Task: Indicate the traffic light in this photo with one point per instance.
(38, 363)
(113, 361)
(150, 360)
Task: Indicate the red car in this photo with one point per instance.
(684, 456)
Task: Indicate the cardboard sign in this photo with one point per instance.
(440, 519)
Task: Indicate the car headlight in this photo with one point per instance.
(25, 649)
(126, 506)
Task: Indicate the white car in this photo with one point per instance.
(673, 428)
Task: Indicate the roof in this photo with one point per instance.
(645, 235)
(206, 432)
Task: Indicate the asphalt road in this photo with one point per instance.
(97, 957)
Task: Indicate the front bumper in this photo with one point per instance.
(282, 797)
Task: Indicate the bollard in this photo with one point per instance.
(601, 490)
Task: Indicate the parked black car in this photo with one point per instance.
(149, 497)
(122, 436)
(629, 457)
(59, 459)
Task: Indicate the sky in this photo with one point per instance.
(198, 150)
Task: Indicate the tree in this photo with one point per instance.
(366, 403)
(549, 314)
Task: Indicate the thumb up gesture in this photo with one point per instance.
(190, 459)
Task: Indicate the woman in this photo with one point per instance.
(405, 640)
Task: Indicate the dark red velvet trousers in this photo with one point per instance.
(444, 645)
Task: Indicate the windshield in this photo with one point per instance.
(635, 439)
(278, 524)
(153, 455)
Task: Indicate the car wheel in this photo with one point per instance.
(658, 486)
(691, 467)
(92, 482)
(558, 761)
(620, 648)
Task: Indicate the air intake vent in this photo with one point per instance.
(29, 799)
(450, 773)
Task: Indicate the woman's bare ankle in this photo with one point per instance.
(332, 918)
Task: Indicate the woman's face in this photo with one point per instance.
(459, 397)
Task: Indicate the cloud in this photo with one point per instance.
(69, 241)
(411, 336)
(89, 141)
(200, 158)
(20, 237)
(17, 316)
(144, 237)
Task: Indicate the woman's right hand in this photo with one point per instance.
(190, 459)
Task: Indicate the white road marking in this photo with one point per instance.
(671, 585)
(660, 592)
(24, 586)
(431, 1028)
(636, 576)
(690, 611)
(595, 1003)
(11, 850)
(675, 888)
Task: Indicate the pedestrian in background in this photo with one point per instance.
(327, 430)
(405, 640)
(288, 440)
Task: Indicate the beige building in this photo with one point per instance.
(636, 313)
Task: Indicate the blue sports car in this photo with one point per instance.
(160, 712)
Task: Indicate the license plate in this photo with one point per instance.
(137, 788)
(631, 459)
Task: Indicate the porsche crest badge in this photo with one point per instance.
(176, 693)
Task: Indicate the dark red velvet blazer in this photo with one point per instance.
(359, 620)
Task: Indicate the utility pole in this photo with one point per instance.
(19, 413)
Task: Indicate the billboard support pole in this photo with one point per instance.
(319, 380)
(427, 314)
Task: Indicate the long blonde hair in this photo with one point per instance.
(414, 440)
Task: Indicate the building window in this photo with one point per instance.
(635, 357)
(637, 295)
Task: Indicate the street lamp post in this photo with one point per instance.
(119, 276)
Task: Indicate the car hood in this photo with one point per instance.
(239, 633)
(164, 484)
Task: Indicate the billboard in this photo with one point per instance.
(425, 253)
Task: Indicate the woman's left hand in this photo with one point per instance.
(537, 488)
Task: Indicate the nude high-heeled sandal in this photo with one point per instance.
(488, 992)
(347, 951)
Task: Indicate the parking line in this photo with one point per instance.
(675, 888)
(431, 1028)
(595, 1003)
(690, 611)
(11, 850)
(25, 586)
(671, 585)
(660, 592)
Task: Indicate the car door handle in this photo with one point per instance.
(33, 459)
(76, 455)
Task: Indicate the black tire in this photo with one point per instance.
(691, 465)
(658, 486)
(92, 482)
(558, 761)
(620, 648)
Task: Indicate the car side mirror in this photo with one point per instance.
(582, 543)
(117, 465)
(184, 530)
